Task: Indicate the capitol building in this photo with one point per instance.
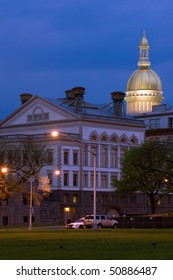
(104, 130)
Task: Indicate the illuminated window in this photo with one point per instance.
(74, 198)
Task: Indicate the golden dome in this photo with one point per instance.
(144, 87)
(144, 79)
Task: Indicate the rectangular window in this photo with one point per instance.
(103, 156)
(29, 118)
(66, 156)
(37, 117)
(86, 155)
(75, 179)
(113, 178)
(122, 152)
(25, 200)
(157, 123)
(25, 219)
(66, 196)
(75, 157)
(154, 123)
(5, 220)
(104, 181)
(74, 198)
(85, 180)
(113, 160)
(170, 122)
(66, 179)
(92, 180)
(151, 124)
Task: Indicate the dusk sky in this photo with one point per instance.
(49, 46)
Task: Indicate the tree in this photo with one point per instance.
(147, 168)
(23, 160)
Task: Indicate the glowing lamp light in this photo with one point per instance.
(57, 172)
(4, 169)
(55, 133)
(67, 209)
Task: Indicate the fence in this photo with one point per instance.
(145, 222)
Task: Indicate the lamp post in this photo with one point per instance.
(94, 226)
(31, 180)
(56, 133)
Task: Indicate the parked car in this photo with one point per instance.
(79, 224)
(102, 221)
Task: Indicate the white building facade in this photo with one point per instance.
(84, 129)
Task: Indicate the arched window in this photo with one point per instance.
(103, 138)
(113, 139)
(123, 140)
(93, 138)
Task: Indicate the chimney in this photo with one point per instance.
(24, 97)
(69, 94)
(118, 97)
(78, 93)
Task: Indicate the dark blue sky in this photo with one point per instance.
(49, 46)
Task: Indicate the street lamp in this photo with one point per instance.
(55, 134)
(57, 172)
(4, 170)
(94, 226)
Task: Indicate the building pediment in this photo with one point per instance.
(37, 110)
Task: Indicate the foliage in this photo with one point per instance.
(23, 160)
(40, 189)
(147, 168)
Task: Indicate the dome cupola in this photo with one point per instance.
(144, 87)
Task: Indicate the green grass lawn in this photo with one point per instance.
(120, 244)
